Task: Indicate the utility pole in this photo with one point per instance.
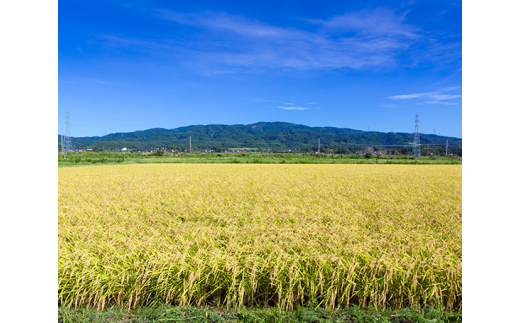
(190, 145)
(446, 147)
(318, 145)
(67, 142)
(416, 143)
(62, 147)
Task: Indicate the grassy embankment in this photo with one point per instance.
(92, 158)
(351, 314)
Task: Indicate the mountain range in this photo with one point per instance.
(264, 135)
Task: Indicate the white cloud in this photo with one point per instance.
(226, 43)
(444, 96)
(369, 38)
(429, 95)
(446, 89)
(372, 22)
(439, 102)
(293, 108)
(409, 96)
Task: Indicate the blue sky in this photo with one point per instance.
(135, 65)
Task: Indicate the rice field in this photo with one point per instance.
(253, 234)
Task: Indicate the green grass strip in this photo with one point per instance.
(261, 315)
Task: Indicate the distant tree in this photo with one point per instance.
(368, 155)
(159, 153)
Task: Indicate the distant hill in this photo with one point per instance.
(263, 135)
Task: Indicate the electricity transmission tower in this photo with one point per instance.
(66, 145)
(416, 151)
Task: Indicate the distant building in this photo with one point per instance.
(124, 149)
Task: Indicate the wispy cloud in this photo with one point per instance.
(432, 95)
(444, 96)
(436, 95)
(287, 105)
(293, 108)
(232, 44)
(438, 102)
(372, 22)
(368, 38)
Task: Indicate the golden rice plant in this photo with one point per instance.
(273, 235)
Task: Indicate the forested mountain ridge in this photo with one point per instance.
(263, 135)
